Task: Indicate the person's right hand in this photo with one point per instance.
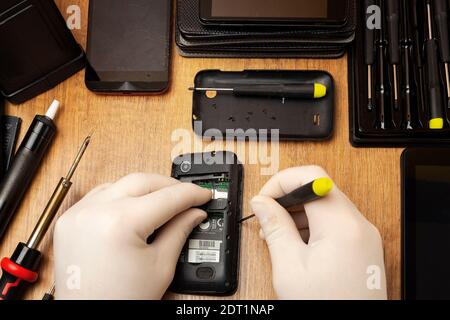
(331, 252)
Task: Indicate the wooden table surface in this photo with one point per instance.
(133, 134)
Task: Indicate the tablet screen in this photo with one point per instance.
(274, 9)
(427, 229)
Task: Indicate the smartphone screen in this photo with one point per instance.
(274, 10)
(129, 45)
(426, 223)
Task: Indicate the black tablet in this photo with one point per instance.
(426, 224)
(270, 12)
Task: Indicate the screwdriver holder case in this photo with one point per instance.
(402, 128)
(37, 50)
(234, 117)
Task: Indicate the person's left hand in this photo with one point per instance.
(100, 244)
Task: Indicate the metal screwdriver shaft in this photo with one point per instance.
(56, 200)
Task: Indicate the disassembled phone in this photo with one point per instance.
(209, 262)
(128, 46)
(425, 224)
(274, 12)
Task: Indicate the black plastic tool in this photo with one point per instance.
(433, 75)
(26, 162)
(393, 33)
(440, 11)
(369, 54)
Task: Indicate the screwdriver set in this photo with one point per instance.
(399, 75)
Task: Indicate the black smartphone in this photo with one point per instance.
(426, 224)
(128, 46)
(209, 262)
(274, 12)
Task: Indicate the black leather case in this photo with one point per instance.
(295, 119)
(196, 39)
(37, 52)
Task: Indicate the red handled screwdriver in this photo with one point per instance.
(22, 268)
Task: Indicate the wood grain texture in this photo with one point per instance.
(134, 134)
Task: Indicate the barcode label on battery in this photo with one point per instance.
(203, 256)
(204, 244)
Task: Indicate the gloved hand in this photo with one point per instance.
(100, 243)
(329, 252)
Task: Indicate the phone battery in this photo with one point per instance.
(206, 242)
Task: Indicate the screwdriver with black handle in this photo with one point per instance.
(440, 8)
(21, 269)
(418, 60)
(406, 44)
(369, 55)
(381, 74)
(435, 100)
(293, 91)
(393, 35)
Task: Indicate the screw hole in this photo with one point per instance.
(317, 120)
(211, 94)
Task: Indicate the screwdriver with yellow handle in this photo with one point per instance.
(307, 193)
(286, 91)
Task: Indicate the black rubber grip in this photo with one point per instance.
(369, 38)
(440, 8)
(433, 80)
(393, 30)
(302, 195)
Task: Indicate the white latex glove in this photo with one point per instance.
(332, 252)
(100, 243)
